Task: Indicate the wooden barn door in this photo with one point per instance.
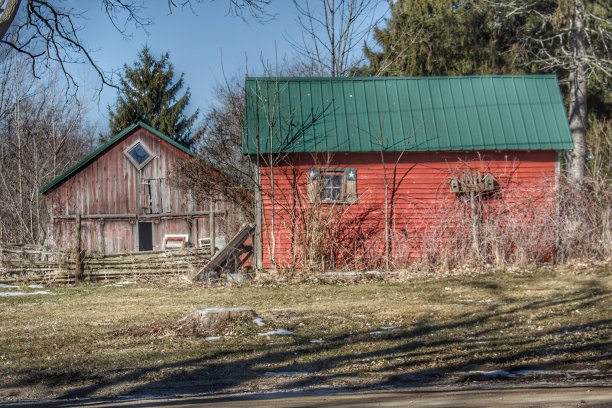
(145, 236)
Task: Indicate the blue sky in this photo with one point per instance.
(204, 46)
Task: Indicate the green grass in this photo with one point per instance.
(76, 341)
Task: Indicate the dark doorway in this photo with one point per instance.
(145, 236)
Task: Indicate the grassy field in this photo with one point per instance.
(107, 340)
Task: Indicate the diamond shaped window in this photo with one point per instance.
(138, 154)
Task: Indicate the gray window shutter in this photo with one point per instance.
(313, 185)
(350, 176)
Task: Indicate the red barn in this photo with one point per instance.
(362, 172)
(122, 195)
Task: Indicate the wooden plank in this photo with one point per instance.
(234, 247)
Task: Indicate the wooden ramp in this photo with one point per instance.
(230, 258)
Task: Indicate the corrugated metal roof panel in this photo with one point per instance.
(291, 115)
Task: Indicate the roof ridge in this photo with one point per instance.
(383, 78)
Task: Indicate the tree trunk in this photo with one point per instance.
(7, 16)
(578, 94)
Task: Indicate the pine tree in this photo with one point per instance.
(149, 93)
(441, 37)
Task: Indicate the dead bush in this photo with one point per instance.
(536, 226)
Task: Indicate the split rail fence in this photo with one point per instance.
(37, 264)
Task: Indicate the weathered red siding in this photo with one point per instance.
(422, 193)
(112, 186)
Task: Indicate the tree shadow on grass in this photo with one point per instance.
(426, 353)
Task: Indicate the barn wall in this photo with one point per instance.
(112, 186)
(422, 195)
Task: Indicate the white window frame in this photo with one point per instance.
(131, 159)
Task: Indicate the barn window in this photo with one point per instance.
(139, 154)
(332, 185)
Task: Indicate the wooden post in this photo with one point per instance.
(78, 273)
(211, 223)
(258, 235)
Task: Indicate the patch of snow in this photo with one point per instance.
(36, 286)
(495, 374)
(383, 329)
(9, 294)
(120, 283)
(317, 341)
(5, 286)
(478, 300)
(259, 321)
(285, 373)
(212, 338)
(568, 373)
(501, 374)
(279, 332)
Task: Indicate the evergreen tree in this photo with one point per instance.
(149, 93)
(445, 37)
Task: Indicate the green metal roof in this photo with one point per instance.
(103, 148)
(291, 115)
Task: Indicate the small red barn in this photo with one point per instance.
(122, 195)
(357, 171)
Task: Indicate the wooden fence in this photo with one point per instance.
(29, 263)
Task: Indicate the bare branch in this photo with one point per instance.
(331, 32)
(48, 31)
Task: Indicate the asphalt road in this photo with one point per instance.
(522, 397)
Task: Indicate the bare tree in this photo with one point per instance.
(573, 40)
(48, 31)
(221, 169)
(41, 134)
(331, 32)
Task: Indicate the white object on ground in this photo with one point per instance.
(9, 294)
(259, 321)
(317, 341)
(5, 286)
(212, 338)
(36, 286)
(497, 374)
(383, 329)
(279, 332)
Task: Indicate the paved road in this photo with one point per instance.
(529, 397)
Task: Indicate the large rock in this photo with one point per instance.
(213, 320)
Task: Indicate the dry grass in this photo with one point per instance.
(86, 341)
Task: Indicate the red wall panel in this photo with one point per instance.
(421, 196)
